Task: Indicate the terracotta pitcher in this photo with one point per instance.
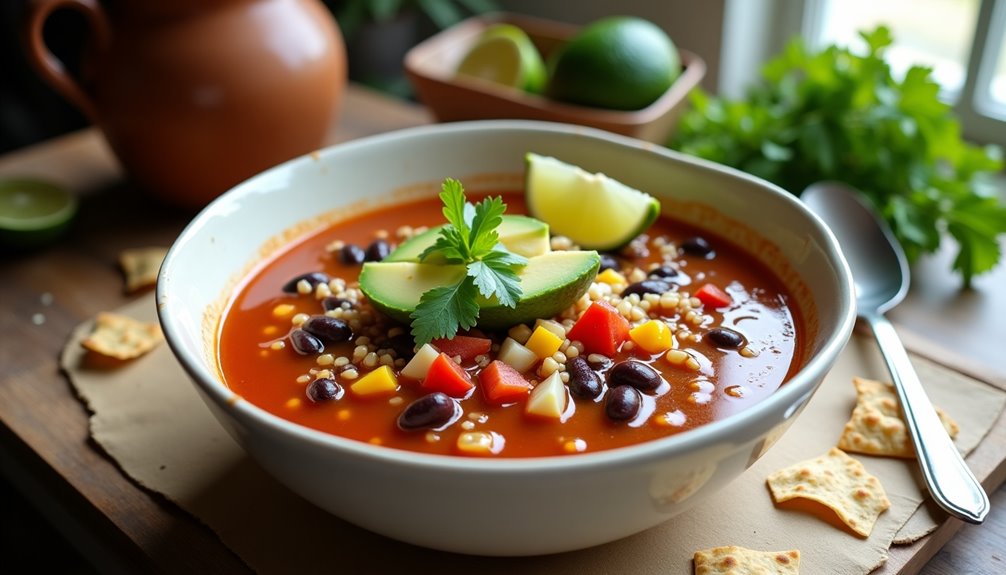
(196, 95)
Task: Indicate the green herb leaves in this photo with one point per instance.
(836, 115)
(469, 238)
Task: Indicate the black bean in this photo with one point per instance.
(403, 345)
(634, 374)
(699, 247)
(657, 286)
(429, 412)
(623, 403)
(377, 251)
(327, 329)
(313, 278)
(664, 272)
(352, 254)
(583, 381)
(332, 302)
(609, 262)
(725, 338)
(324, 389)
(305, 343)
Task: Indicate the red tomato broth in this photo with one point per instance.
(268, 378)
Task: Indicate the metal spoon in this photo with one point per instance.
(880, 272)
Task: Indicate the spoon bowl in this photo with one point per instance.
(881, 277)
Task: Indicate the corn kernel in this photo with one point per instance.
(478, 443)
(681, 359)
(574, 445)
(553, 326)
(343, 415)
(653, 336)
(379, 382)
(520, 333)
(293, 403)
(543, 342)
(283, 310)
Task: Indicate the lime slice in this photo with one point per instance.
(504, 54)
(33, 212)
(593, 210)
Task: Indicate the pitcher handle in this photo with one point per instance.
(46, 63)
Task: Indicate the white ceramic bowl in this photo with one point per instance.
(530, 506)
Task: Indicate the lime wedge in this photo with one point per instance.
(33, 212)
(593, 210)
(504, 54)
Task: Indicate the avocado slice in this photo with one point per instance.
(521, 235)
(550, 282)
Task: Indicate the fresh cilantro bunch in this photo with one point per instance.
(835, 115)
(469, 238)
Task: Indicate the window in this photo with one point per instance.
(963, 41)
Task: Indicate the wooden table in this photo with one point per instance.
(119, 527)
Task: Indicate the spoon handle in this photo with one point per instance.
(947, 476)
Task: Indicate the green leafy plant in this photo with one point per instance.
(836, 115)
(469, 238)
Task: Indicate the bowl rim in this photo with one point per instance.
(795, 392)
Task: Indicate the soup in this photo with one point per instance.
(698, 329)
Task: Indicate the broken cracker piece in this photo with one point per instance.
(140, 266)
(877, 426)
(735, 560)
(122, 337)
(838, 482)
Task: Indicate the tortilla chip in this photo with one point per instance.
(122, 337)
(877, 426)
(838, 482)
(140, 265)
(735, 560)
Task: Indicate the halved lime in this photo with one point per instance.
(593, 210)
(504, 54)
(33, 212)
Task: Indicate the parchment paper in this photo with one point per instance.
(148, 417)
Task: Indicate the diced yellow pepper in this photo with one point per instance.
(611, 277)
(380, 382)
(543, 342)
(653, 336)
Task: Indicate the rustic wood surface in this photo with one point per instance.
(119, 527)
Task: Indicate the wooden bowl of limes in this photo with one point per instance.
(511, 66)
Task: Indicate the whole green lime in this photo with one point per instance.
(620, 63)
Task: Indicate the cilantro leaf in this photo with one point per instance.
(452, 194)
(469, 238)
(441, 311)
(500, 281)
(488, 216)
(840, 115)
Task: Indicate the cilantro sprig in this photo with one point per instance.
(469, 238)
(839, 115)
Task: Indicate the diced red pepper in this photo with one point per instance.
(501, 383)
(446, 376)
(465, 346)
(713, 296)
(601, 329)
